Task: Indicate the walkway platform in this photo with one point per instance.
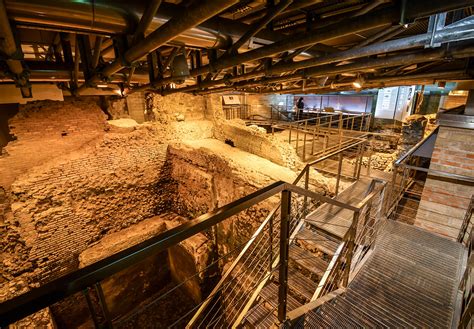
(410, 280)
(336, 220)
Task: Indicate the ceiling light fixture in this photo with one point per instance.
(359, 82)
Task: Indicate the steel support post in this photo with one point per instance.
(304, 146)
(306, 186)
(356, 164)
(90, 306)
(367, 123)
(285, 209)
(350, 249)
(362, 122)
(340, 126)
(297, 136)
(270, 238)
(361, 154)
(369, 160)
(392, 193)
(339, 169)
(103, 305)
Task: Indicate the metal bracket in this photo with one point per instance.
(435, 24)
(86, 55)
(120, 47)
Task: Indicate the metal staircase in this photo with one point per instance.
(410, 280)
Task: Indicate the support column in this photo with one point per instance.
(284, 254)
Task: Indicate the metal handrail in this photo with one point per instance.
(342, 256)
(38, 298)
(404, 157)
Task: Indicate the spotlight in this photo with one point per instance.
(359, 82)
(102, 86)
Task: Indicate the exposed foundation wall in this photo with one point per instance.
(251, 139)
(261, 104)
(210, 174)
(71, 178)
(444, 203)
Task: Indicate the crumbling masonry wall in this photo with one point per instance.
(210, 174)
(69, 179)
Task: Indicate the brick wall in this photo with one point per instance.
(136, 106)
(45, 130)
(444, 203)
(169, 108)
(449, 102)
(70, 178)
(261, 104)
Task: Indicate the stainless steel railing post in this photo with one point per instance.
(284, 254)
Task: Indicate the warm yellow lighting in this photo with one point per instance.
(102, 86)
(357, 84)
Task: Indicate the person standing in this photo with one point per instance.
(300, 107)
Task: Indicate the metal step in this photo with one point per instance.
(406, 282)
(300, 284)
(317, 240)
(260, 316)
(366, 320)
(308, 260)
(335, 317)
(270, 294)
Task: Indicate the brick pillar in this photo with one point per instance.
(444, 203)
(136, 106)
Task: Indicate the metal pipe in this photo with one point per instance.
(192, 17)
(108, 18)
(369, 7)
(377, 36)
(426, 55)
(146, 20)
(96, 55)
(381, 18)
(256, 27)
(14, 54)
(448, 34)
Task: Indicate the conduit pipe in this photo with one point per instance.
(371, 64)
(260, 24)
(192, 17)
(380, 18)
(146, 20)
(446, 35)
(12, 52)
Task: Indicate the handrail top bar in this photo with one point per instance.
(443, 174)
(329, 114)
(414, 148)
(38, 298)
(336, 152)
(303, 309)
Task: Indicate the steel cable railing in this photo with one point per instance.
(360, 237)
(255, 271)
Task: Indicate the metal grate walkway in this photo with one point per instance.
(410, 280)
